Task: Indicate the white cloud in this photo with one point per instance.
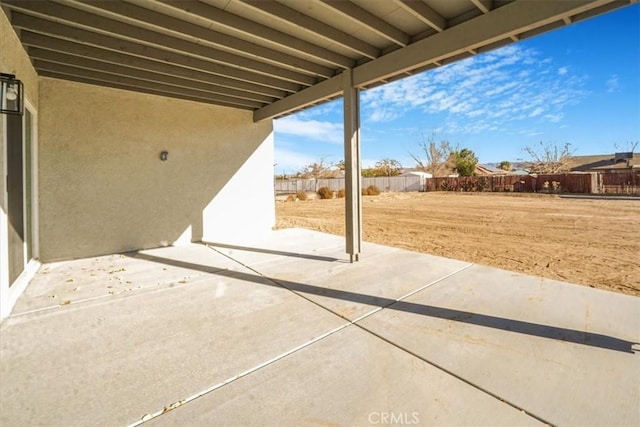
(288, 161)
(383, 115)
(554, 118)
(485, 92)
(314, 129)
(536, 112)
(530, 132)
(613, 84)
(327, 108)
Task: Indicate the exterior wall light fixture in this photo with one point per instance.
(164, 156)
(11, 95)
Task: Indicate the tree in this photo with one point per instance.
(464, 162)
(319, 169)
(387, 167)
(505, 165)
(435, 155)
(549, 157)
(368, 173)
(629, 146)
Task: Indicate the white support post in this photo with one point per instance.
(353, 187)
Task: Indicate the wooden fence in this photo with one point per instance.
(576, 182)
(393, 183)
(477, 183)
(556, 183)
(619, 183)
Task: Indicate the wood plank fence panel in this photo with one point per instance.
(620, 183)
(558, 183)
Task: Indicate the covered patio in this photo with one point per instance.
(141, 281)
(286, 331)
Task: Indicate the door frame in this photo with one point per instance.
(9, 294)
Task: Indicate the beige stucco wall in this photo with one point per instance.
(103, 188)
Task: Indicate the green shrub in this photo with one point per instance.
(325, 193)
(301, 195)
(341, 193)
(371, 190)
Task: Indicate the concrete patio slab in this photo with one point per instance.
(566, 353)
(351, 292)
(350, 378)
(284, 245)
(232, 335)
(62, 283)
(108, 361)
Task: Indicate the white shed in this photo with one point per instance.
(423, 176)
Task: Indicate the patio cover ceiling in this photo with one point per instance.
(271, 57)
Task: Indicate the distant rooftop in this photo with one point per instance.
(623, 160)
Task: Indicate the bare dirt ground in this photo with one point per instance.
(591, 242)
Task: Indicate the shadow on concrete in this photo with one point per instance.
(273, 252)
(478, 319)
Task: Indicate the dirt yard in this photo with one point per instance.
(591, 242)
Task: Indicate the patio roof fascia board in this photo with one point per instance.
(68, 47)
(254, 29)
(213, 37)
(369, 20)
(286, 14)
(322, 91)
(234, 65)
(487, 29)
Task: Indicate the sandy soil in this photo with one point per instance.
(591, 242)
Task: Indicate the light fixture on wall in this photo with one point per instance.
(164, 156)
(11, 95)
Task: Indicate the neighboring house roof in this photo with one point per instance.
(602, 162)
(482, 169)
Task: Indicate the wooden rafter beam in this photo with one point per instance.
(221, 18)
(312, 25)
(484, 5)
(237, 88)
(424, 13)
(369, 20)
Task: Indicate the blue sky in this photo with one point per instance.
(579, 84)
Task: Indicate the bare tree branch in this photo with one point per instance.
(629, 146)
(549, 157)
(435, 155)
(319, 169)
